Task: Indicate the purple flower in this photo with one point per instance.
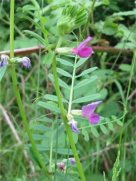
(83, 50)
(73, 125)
(72, 161)
(4, 60)
(25, 62)
(88, 112)
(61, 166)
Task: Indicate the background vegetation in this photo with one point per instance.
(112, 24)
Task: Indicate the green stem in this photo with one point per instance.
(51, 148)
(128, 90)
(123, 139)
(92, 11)
(121, 150)
(64, 117)
(17, 93)
(131, 75)
(72, 87)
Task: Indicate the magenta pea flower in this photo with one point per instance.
(83, 50)
(88, 112)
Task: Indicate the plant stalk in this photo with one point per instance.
(51, 149)
(17, 93)
(72, 87)
(64, 117)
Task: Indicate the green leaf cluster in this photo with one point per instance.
(72, 17)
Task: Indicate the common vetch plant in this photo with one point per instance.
(71, 112)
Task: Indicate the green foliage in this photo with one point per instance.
(2, 72)
(125, 67)
(110, 23)
(50, 106)
(87, 98)
(126, 13)
(54, 98)
(72, 17)
(116, 169)
(86, 80)
(87, 71)
(107, 27)
(35, 35)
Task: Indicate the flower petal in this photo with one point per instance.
(75, 51)
(73, 125)
(85, 52)
(94, 118)
(85, 42)
(89, 109)
(74, 129)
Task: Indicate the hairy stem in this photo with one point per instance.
(64, 117)
(72, 87)
(17, 93)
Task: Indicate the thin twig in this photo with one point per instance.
(106, 149)
(132, 94)
(17, 138)
(24, 51)
(35, 49)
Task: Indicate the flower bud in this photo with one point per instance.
(4, 60)
(76, 112)
(25, 62)
(72, 161)
(73, 125)
(72, 17)
(63, 50)
(61, 166)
